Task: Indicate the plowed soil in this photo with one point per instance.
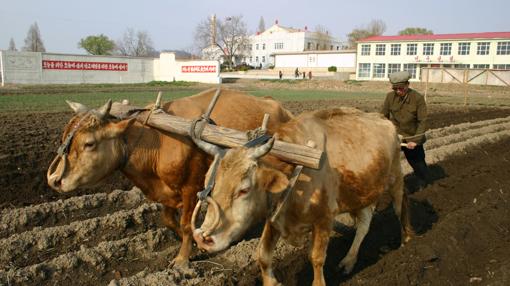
(97, 236)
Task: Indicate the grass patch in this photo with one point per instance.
(56, 102)
(94, 88)
(288, 81)
(288, 95)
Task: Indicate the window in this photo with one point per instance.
(464, 49)
(263, 59)
(250, 47)
(364, 70)
(428, 49)
(365, 50)
(379, 70)
(480, 66)
(411, 68)
(412, 49)
(502, 67)
(503, 48)
(395, 50)
(278, 46)
(461, 66)
(317, 47)
(251, 59)
(393, 68)
(309, 46)
(257, 46)
(257, 59)
(482, 48)
(380, 49)
(445, 49)
(263, 46)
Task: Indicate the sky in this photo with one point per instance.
(171, 24)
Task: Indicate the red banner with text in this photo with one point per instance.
(92, 66)
(198, 69)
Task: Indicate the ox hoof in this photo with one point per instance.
(347, 265)
(182, 266)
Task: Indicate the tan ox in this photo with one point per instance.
(362, 161)
(168, 168)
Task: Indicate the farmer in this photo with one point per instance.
(407, 109)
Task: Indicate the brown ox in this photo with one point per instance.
(168, 168)
(362, 161)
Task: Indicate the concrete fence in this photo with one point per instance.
(52, 68)
(466, 76)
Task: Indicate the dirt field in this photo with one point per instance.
(104, 235)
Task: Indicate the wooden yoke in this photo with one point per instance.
(289, 152)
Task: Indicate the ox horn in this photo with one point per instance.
(262, 150)
(216, 214)
(207, 147)
(105, 109)
(77, 107)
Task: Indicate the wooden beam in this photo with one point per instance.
(289, 152)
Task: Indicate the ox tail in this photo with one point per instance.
(405, 220)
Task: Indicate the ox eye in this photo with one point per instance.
(89, 145)
(244, 191)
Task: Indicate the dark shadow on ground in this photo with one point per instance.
(383, 237)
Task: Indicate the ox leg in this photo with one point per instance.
(169, 217)
(363, 219)
(320, 240)
(188, 203)
(265, 251)
(401, 208)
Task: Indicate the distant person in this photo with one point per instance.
(280, 74)
(260, 66)
(309, 74)
(407, 109)
(296, 73)
(304, 75)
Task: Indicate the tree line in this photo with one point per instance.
(227, 37)
(132, 43)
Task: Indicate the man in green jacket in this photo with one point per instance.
(407, 109)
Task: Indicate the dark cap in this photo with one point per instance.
(398, 78)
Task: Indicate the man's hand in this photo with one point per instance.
(411, 145)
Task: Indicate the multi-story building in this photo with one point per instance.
(279, 39)
(378, 56)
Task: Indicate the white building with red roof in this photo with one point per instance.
(378, 56)
(279, 39)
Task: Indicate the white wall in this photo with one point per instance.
(199, 71)
(49, 68)
(342, 60)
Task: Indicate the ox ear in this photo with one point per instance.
(271, 180)
(117, 129)
(104, 110)
(77, 107)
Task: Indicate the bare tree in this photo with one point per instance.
(229, 37)
(415, 31)
(262, 25)
(33, 41)
(377, 27)
(12, 45)
(137, 44)
(374, 28)
(323, 38)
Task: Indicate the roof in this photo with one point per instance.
(316, 52)
(486, 35)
